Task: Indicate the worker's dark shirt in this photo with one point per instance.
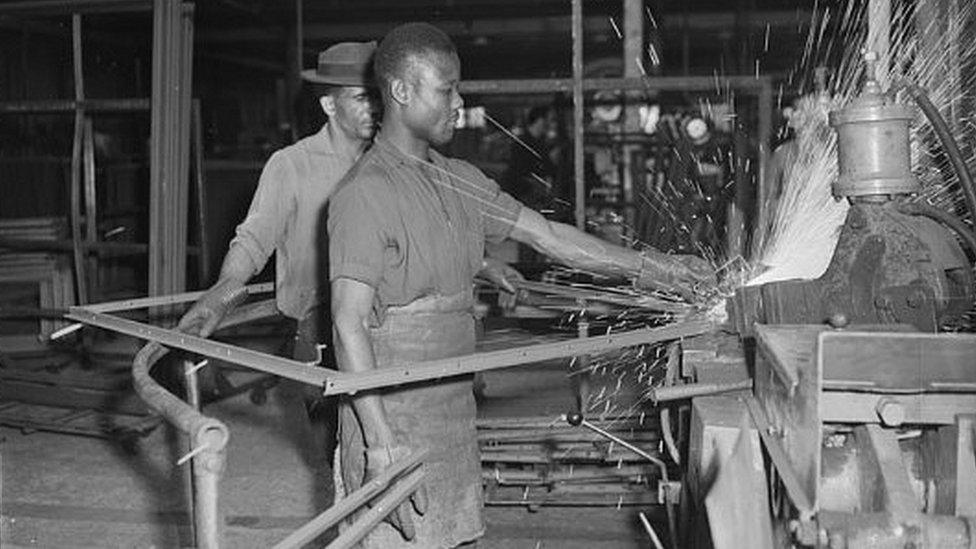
(412, 228)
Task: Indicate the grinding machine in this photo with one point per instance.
(859, 429)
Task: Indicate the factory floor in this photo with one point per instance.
(70, 491)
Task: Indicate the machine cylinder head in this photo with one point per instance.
(873, 151)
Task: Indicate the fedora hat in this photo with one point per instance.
(344, 64)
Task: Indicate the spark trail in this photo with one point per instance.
(806, 221)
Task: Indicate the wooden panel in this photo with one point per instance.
(965, 477)
(915, 361)
(787, 385)
(927, 408)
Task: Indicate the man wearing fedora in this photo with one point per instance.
(294, 187)
(284, 218)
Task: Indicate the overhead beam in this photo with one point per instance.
(60, 7)
(514, 26)
(747, 84)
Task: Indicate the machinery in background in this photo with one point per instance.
(860, 428)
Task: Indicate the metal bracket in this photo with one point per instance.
(291, 369)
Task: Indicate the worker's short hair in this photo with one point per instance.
(402, 44)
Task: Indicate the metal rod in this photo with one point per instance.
(382, 507)
(157, 149)
(68, 106)
(91, 200)
(879, 38)
(650, 531)
(672, 524)
(207, 469)
(668, 436)
(287, 368)
(344, 507)
(192, 384)
(764, 140)
(639, 451)
(200, 185)
(180, 219)
(114, 248)
(692, 390)
(142, 302)
(578, 172)
(81, 281)
(60, 7)
(743, 84)
(641, 302)
(479, 362)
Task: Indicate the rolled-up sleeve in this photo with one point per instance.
(499, 211)
(357, 238)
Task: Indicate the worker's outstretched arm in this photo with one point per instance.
(352, 302)
(683, 274)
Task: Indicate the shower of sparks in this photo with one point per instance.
(650, 16)
(797, 238)
(800, 239)
(653, 55)
(616, 29)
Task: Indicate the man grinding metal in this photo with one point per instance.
(407, 229)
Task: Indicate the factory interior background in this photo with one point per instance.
(819, 392)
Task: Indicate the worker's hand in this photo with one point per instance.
(207, 313)
(377, 460)
(503, 276)
(686, 275)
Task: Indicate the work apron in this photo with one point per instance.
(437, 415)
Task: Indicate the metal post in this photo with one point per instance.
(81, 280)
(879, 37)
(169, 136)
(200, 186)
(582, 362)
(192, 388)
(91, 203)
(578, 173)
(633, 67)
(763, 140)
(157, 150)
(207, 468)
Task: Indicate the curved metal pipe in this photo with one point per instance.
(172, 408)
(208, 437)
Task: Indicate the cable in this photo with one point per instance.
(948, 142)
(943, 217)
